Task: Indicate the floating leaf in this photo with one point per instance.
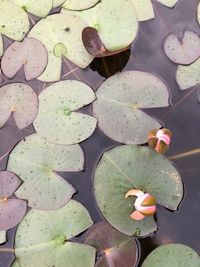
(61, 34)
(58, 119)
(169, 3)
(36, 161)
(30, 53)
(57, 3)
(79, 4)
(134, 167)
(185, 52)
(110, 18)
(119, 103)
(43, 238)
(21, 100)
(35, 7)
(11, 210)
(144, 9)
(1, 45)
(2, 237)
(114, 249)
(172, 255)
(14, 21)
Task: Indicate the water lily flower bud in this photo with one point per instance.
(159, 140)
(145, 204)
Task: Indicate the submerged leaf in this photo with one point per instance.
(9, 183)
(2, 237)
(172, 255)
(21, 100)
(111, 19)
(42, 238)
(79, 4)
(58, 118)
(30, 53)
(114, 249)
(185, 52)
(119, 103)
(126, 167)
(61, 33)
(36, 161)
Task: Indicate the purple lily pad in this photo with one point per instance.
(30, 53)
(114, 249)
(9, 183)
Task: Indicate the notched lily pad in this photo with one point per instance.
(183, 52)
(2, 237)
(134, 167)
(61, 35)
(111, 18)
(169, 3)
(114, 249)
(43, 238)
(20, 100)
(79, 4)
(11, 210)
(30, 53)
(58, 118)
(119, 103)
(36, 162)
(172, 255)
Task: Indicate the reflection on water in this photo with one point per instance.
(182, 118)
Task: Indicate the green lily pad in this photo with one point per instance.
(169, 3)
(79, 4)
(134, 167)
(1, 45)
(61, 34)
(188, 76)
(35, 7)
(36, 161)
(58, 119)
(14, 22)
(172, 255)
(20, 100)
(110, 18)
(2, 237)
(119, 103)
(57, 3)
(144, 9)
(114, 249)
(43, 238)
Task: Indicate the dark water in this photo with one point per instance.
(182, 118)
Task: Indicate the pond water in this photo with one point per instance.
(182, 118)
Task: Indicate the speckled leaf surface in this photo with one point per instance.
(13, 20)
(36, 7)
(111, 18)
(9, 183)
(21, 100)
(61, 34)
(119, 103)
(144, 9)
(183, 52)
(134, 167)
(42, 238)
(114, 249)
(172, 255)
(36, 161)
(79, 4)
(2, 237)
(58, 118)
(57, 3)
(30, 53)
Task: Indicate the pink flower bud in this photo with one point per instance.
(159, 140)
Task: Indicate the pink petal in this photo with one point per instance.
(147, 211)
(134, 192)
(136, 215)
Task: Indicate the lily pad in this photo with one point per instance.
(2, 237)
(144, 9)
(35, 7)
(1, 45)
(11, 210)
(188, 76)
(30, 53)
(14, 22)
(58, 119)
(172, 255)
(110, 18)
(61, 34)
(36, 161)
(79, 4)
(169, 3)
(119, 103)
(114, 249)
(57, 3)
(43, 238)
(21, 100)
(185, 52)
(134, 167)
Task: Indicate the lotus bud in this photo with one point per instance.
(145, 204)
(159, 140)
